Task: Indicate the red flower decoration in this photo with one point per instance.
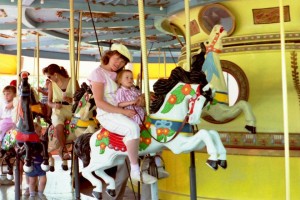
(172, 99)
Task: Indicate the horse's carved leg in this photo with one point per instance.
(220, 148)
(51, 163)
(221, 112)
(45, 164)
(28, 158)
(196, 142)
(111, 186)
(87, 173)
(11, 153)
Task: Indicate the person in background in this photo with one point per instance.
(60, 99)
(44, 98)
(109, 114)
(6, 118)
(37, 177)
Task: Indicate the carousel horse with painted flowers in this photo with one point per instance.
(209, 62)
(83, 121)
(180, 109)
(27, 139)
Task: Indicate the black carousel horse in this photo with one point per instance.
(27, 139)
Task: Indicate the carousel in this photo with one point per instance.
(225, 76)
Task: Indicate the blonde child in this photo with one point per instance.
(127, 97)
(6, 119)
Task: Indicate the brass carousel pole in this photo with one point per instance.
(144, 53)
(285, 103)
(75, 162)
(154, 186)
(19, 65)
(72, 46)
(37, 58)
(78, 46)
(72, 66)
(193, 182)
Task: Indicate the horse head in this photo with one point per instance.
(203, 96)
(214, 42)
(85, 105)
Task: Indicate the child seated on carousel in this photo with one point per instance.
(127, 97)
(6, 118)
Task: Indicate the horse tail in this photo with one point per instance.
(82, 148)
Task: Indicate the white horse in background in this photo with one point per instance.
(220, 110)
(181, 108)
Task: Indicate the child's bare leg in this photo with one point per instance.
(42, 183)
(32, 184)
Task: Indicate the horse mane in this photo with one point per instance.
(78, 95)
(82, 148)
(162, 86)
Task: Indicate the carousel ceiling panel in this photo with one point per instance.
(116, 21)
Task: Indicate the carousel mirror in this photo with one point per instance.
(214, 14)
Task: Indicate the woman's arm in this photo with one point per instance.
(50, 97)
(98, 92)
(127, 103)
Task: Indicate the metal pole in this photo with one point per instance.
(37, 58)
(79, 45)
(144, 53)
(17, 178)
(285, 104)
(72, 46)
(193, 184)
(19, 40)
(76, 174)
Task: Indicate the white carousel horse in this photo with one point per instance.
(220, 110)
(182, 105)
(82, 122)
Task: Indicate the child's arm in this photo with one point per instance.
(126, 103)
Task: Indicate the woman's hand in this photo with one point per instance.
(129, 113)
(58, 106)
(141, 101)
(67, 99)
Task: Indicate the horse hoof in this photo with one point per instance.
(27, 169)
(45, 167)
(64, 167)
(10, 177)
(111, 193)
(222, 163)
(212, 164)
(51, 169)
(251, 129)
(97, 195)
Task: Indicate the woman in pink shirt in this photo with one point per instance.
(112, 117)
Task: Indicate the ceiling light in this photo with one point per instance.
(161, 8)
(12, 1)
(42, 2)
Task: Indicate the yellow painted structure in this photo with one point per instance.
(248, 177)
(8, 64)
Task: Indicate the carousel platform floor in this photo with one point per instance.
(58, 186)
